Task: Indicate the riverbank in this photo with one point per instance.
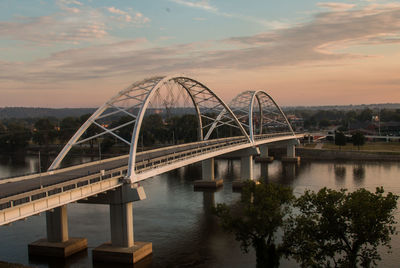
(11, 265)
(329, 154)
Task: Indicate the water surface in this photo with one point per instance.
(178, 220)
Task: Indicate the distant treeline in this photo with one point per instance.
(33, 112)
(317, 119)
(18, 134)
(345, 107)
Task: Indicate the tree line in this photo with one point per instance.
(324, 118)
(156, 130)
(327, 228)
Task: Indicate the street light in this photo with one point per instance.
(40, 173)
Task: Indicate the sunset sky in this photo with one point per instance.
(78, 53)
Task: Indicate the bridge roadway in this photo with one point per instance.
(28, 189)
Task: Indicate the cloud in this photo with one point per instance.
(116, 11)
(313, 43)
(72, 25)
(203, 4)
(50, 29)
(131, 16)
(336, 6)
(69, 5)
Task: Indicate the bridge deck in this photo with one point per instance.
(86, 178)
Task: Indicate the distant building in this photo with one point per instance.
(376, 128)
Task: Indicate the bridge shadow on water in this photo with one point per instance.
(175, 218)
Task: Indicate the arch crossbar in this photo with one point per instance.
(135, 100)
(259, 114)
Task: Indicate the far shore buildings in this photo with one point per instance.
(376, 128)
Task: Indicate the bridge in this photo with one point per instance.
(244, 128)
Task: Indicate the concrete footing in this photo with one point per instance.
(237, 185)
(43, 247)
(107, 253)
(208, 183)
(267, 159)
(295, 159)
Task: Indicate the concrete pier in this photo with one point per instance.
(123, 248)
(264, 157)
(246, 166)
(291, 153)
(57, 243)
(208, 176)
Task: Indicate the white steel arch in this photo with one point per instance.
(252, 106)
(211, 112)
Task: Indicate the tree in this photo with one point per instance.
(15, 136)
(44, 132)
(358, 139)
(340, 139)
(3, 136)
(340, 229)
(68, 127)
(324, 123)
(365, 115)
(256, 218)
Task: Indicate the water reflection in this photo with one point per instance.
(179, 221)
(264, 171)
(358, 174)
(340, 172)
(288, 173)
(53, 262)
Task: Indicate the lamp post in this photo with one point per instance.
(99, 149)
(40, 173)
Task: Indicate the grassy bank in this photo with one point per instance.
(368, 147)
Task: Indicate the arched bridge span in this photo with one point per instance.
(259, 114)
(133, 102)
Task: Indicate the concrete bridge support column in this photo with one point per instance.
(291, 153)
(122, 248)
(264, 156)
(208, 176)
(57, 244)
(246, 166)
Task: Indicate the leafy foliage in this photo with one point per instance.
(358, 139)
(15, 136)
(44, 133)
(256, 219)
(340, 139)
(340, 229)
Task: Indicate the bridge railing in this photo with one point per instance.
(149, 161)
(70, 184)
(195, 149)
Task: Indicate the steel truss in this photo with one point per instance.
(154, 92)
(259, 114)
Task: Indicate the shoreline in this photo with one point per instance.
(327, 154)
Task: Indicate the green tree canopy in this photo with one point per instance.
(358, 139)
(256, 219)
(340, 139)
(44, 132)
(68, 127)
(340, 229)
(15, 136)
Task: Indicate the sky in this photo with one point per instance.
(79, 53)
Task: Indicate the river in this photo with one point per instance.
(178, 220)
